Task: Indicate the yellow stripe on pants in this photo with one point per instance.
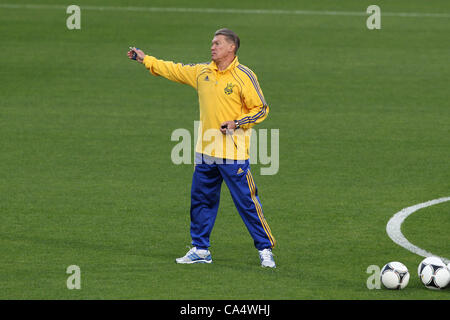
(252, 187)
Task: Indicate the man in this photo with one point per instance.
(231, 102)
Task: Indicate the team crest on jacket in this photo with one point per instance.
(229, 88)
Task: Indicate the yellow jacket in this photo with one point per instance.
(230, 94)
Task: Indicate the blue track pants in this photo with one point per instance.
(205, 197)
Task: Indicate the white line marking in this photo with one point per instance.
(394, 225)
(231, 11)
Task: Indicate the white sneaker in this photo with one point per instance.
(195, 255)
(266, 257)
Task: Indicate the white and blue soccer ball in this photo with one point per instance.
(433, 273)
(394, 275)
(427, 261)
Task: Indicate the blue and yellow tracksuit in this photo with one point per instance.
(224, 95)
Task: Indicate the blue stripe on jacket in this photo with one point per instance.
(254, 81)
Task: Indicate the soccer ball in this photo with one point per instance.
(427, 261)
(434, 275)
(394, 275)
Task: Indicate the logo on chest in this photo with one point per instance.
(229, 88)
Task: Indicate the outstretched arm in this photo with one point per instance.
(178, 72)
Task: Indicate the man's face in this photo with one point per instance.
(221, 48)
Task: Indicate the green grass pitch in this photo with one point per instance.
(86, 176)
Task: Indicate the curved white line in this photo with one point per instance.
(394, 224)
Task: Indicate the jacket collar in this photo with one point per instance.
(232, 65)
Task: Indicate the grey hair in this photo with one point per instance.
(231, 36)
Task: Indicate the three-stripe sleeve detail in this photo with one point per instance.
(251, 119)
(254, 82)
(263, 110)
